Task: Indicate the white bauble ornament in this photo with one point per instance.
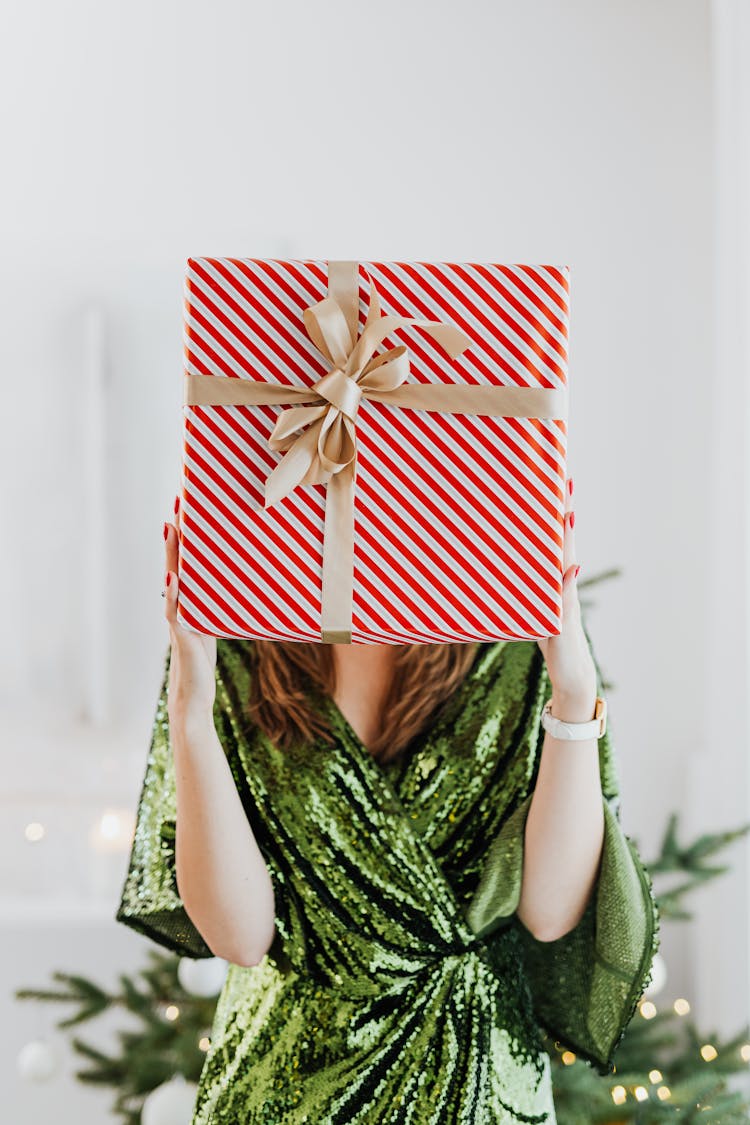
(658, 975)
(38, 1061)
(172, 1103)
(203, 977)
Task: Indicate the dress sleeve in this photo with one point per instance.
(586, 984)
(150, 902)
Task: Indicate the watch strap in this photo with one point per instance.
(574, 732)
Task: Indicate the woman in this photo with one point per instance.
(410, 878)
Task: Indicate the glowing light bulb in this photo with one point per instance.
(109, 825)
(34, 831)
(112, 831)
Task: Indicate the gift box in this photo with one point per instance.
(374, 452)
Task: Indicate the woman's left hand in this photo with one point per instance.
(570, 665)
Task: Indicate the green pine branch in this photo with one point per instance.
(671, 1045)
(149, 1053)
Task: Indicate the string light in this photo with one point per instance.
(112, 831)
(641, 1093)
(663, 1092)
(172, 1012)
(34, 831)
(568, 1058)
(619, 1094)
(204, 1043)
(648, 1009)
(681, 1006)
(709, 1052)
(654, 1076)
(109, 825)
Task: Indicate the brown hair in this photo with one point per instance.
(425, 676)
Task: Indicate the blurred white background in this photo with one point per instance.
(609, 135)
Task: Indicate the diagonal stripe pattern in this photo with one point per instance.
(459, 518)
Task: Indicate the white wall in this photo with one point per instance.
(719, 780)
(574, 132)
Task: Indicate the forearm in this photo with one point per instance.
(564, 831)
(222, 877)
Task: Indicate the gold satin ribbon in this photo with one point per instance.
(320, 441)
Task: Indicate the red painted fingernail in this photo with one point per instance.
(169, 577)
(572, 519)
(166, 529)
(576, 573)
(176, 503)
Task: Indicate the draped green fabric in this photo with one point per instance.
(401, 985)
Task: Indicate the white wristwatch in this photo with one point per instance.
(593, 728)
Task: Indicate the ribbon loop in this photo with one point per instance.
(328, 329)
(385, 372)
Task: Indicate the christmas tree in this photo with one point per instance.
(664, 1066)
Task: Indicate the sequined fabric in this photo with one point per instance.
(401, 986)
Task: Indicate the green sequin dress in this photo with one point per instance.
(401, 986)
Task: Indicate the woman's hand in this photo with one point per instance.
(570, 665)
(192, 664)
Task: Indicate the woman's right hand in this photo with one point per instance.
(192, 663)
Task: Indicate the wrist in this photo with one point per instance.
(574, 707)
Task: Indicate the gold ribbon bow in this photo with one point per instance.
(320, 441)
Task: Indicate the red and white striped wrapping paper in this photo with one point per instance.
(458, 519)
